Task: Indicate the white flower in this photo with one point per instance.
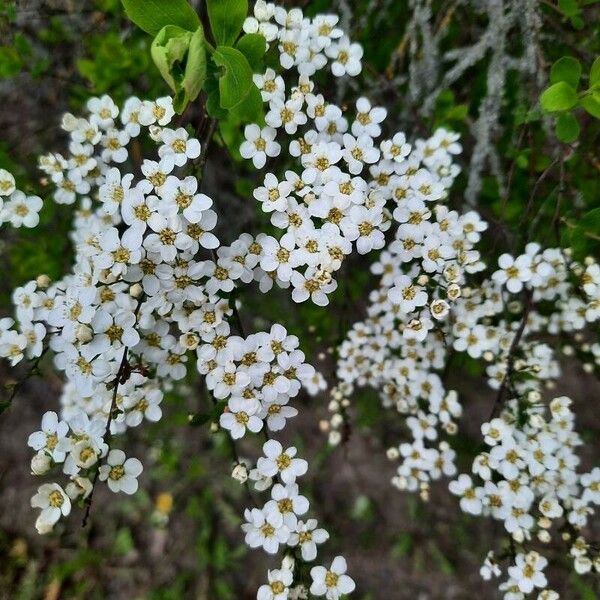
(346, 57)
(120, 473)
(181, 196)
(265, 530)
(359, 151)
(307, 536)
(287, 114)
(396, 149)
(407, 294)
(115, 190)
(103, 110)
(241, 415)
(278, 586)
(283, 463)
(21, 210)
(528, 571)
(368, 119)
(288, 502)
(7, 183)
(160, 111)
(259, 144)
(178, 144)
(514, 272)
(54, 502)
(333, 582)
(470, 501)
(115, 146)
(49, 438)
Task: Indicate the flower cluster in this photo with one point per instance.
(16, 207)
(338, 196)
(152, 295)
(417, 319)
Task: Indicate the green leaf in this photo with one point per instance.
(595, 73)
(181, 59)
(558, 97)
(253, 46)
(582, 235)
(250, 109)
(10, 62)
(226, 19)
(569, 8)
(567, 127)
(591, 103)
(123, 543)
(168, 52)
(153, 15)
(236, 81)
(195, 68)
(567, 69)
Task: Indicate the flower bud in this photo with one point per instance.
(42, 281)
(69, 122)
(335, 437)
(240, 473)
(336, 420)
(288, 562)
(544, 522)
(136, 290)
(189, 340)
(155, 133)
(84, 333)
(423, 279)
(40, 464)
(518, 535)
(393, 453)
(544, 536)
(453, 291)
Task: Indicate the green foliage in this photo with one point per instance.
(153, 15)
(583, 235)
(562, 97)
(111, 64)
(226, 19)
(558, 97)
(180, 50)
(236, 81)
(567, 127)
(10, 62)
(566, 69)
(253, 46)
(180, 56)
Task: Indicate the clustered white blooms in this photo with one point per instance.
(16, 207)
(424, 311)
(151, 288)
(141, 298)
(336, 199)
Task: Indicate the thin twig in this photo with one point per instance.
(510, 361)
(33, 370)
(121, 377)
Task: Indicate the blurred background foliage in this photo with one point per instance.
(478, 67)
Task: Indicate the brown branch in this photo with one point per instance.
(510, 361)
(122, 376)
